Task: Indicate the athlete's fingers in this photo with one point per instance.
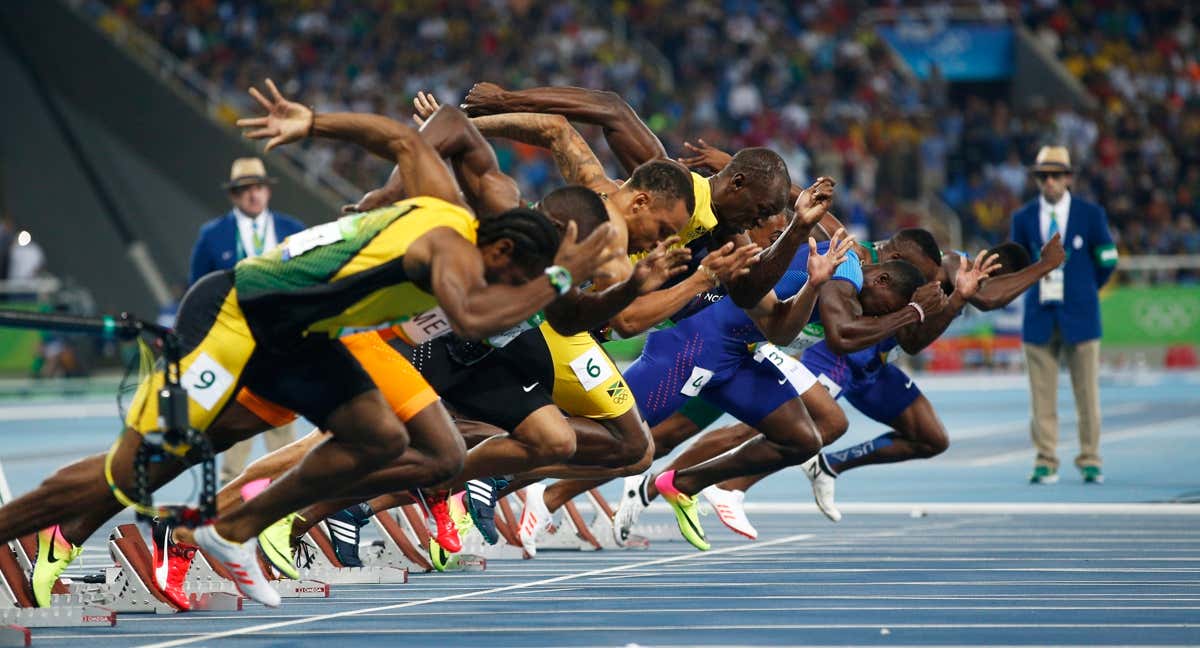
(262, 101)
(417, 118)
(247, 122)
(275, 92)
(262, 133)
(275, 141)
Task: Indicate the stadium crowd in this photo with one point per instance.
(808, 80)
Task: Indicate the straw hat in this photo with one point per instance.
(246, 172)
(1051, 159)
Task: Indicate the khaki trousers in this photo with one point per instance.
(1083, 363)
(234, 460)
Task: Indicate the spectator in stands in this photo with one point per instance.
(1062, 312)
(247, 230)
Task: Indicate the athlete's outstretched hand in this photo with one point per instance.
(821, 266)
(424, 105)
(1053, 253)
(931, 298)
(970, 275)
(727, 264)
(814, 202)
(704, 156)
(286, 121)
(582, 259)
(482, 99)
(665, 261)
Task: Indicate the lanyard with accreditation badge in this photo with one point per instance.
(260, 240)
(1050, 287)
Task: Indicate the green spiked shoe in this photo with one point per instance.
(276, 544)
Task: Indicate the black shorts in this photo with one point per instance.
(478, 382)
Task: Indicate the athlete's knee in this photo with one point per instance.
(644, 463)
(932, 443)
(447, 463)
(553, 447)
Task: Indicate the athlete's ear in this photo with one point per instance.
(738, 181)
(497, 253)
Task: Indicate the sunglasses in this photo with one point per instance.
(1044, 175)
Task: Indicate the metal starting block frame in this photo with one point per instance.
(326, 568)
(208, 576)
(19, 612)
(405, 541)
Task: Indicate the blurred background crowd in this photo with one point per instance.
(803, 78)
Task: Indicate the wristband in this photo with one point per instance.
(312, 122)
(920, 311)
(560, 278)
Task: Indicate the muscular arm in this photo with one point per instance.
(630, 139)
(475, 308)
(915, 337)
(1000, 291)
(846, 328)
(418, 165)
(488, 190)
(575, 159)
(781, 320)
(747, 291)
(648, 310)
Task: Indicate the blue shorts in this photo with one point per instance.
(664, 378)
(882, 394)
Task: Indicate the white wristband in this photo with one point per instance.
(920, 311)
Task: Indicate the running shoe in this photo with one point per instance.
(438, 556)
(481, 504)
(447, 532)
(54, 554)
(534, 518)
(686, 513)
(821, 475)
(241, 561)
(1043, 475)
(1092, 475)
(458, 513)
(171, 563)
(276, 544)
(633, 502)
(345, 531)
(729, 506)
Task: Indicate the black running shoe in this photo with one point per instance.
(344, 532)
(481, 504)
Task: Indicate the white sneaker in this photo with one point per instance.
(534, 518)
(630, 508)
(242, 561)
(729, 507)
(822, 487)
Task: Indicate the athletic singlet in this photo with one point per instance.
(348, 273)
(725, 322)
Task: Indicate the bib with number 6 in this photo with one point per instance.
(592, 368)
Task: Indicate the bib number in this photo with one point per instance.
(809, 336)
(792, 369)
(592, 368)
(206, 381)
(312, 238)
(834, 388)
(696, 382)
(426, 326)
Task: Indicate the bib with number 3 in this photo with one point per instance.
(592, 368)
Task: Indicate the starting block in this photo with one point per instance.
(405, 538)
(207, 576)
(19, 612)
(326, 568)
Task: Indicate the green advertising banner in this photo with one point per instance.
(1151, 315)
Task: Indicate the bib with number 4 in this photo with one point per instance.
(592, 368)
(696, 382)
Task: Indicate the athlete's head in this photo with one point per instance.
(888, 286)
(516, 245)
(574, 203)
(750, 189)
(768, 231)
(657, 201)
(916, 246)
(1012, 257)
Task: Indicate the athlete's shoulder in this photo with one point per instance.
(429, 212)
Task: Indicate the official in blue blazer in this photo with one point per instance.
(1062, 312)
(248, 230)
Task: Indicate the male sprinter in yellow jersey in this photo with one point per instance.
(268, 325)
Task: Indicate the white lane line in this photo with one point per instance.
(1123, 434)
(495, 590)
(977, 508)
(57, 411)
(1008, 427)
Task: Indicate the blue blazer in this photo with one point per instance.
(1091, 260)
(216, 247)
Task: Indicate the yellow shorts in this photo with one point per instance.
(586, 382)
